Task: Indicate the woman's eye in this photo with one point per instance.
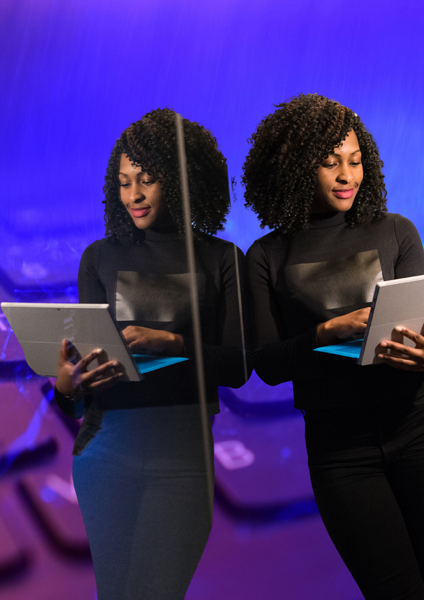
(147, 182)
(355, 164)
(330, 165)
(125, 185)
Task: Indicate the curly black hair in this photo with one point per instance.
(151, 144)
(280, 172)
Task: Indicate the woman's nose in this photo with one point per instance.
(345, 175)
(137, 193)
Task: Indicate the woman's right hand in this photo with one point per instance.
(342, 328)
(73, 375)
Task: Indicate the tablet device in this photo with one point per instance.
(395, 302)
(40, 329)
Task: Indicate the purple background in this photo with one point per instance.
(73, 75)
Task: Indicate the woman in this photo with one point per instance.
(313, 175)
(139, 468)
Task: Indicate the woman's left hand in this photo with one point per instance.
(153, 341)
(400, 356)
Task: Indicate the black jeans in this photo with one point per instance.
(141, 487)
(367, 472)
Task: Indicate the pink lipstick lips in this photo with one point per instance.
(344, 194)
(140, 212)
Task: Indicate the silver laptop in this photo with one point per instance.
(395, 302)
(40, 329)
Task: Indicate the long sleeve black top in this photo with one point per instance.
(148, 286)
(326, 271)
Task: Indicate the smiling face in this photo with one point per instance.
(339, 177)
(141, 195)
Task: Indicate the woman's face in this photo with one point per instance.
(339, 177)
(141, 195)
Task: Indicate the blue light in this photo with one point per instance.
(285, 453)
(48, 495)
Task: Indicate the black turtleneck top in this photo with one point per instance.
(328, 270)
(148, 286)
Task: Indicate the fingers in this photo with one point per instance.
(110, 370)
(98, 353)
(360, 318)
(364, 314)
(73, 355)
(390, 347)
(417, 338)
(138, 344)
(357, 326)
(129, 338)
(402, 363)
(129, 332)
(102, 356)
(401, 356)
(102, 384)
(143, 339)
(134, 333)
(62, 355)
(69, 352)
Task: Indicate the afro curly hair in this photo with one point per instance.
(280, 172)
(151, 144)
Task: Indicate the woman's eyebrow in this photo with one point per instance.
(351, 154)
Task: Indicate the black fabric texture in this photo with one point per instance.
(366, 467)
(326, 271)
(115, 274)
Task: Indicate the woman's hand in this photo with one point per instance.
(341, 328)
(153, 341)
(73, 375)
(403, 357)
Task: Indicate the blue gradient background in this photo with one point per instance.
(74, 74)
